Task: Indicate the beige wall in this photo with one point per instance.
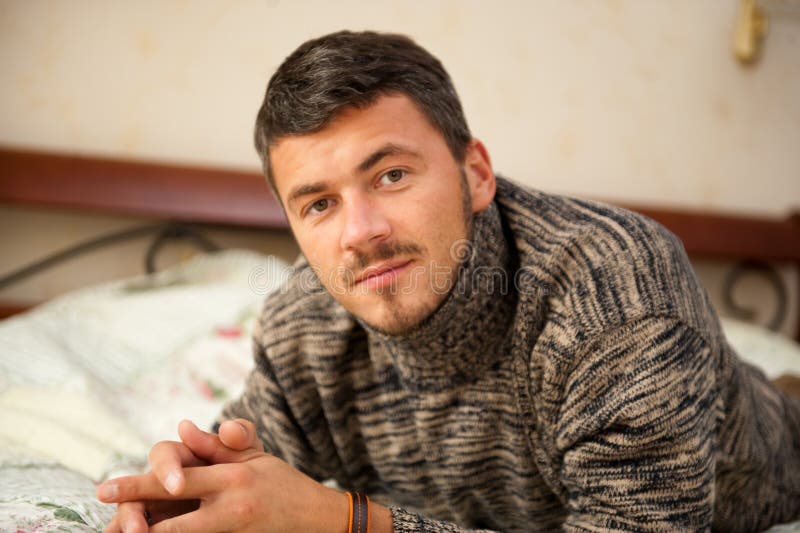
(638, 100)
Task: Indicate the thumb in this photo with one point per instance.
(209, 447)
(239, 434)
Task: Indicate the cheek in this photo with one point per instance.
(439, 232)
(323, 262)
(439, 204)
(447, 215)
(316, 247)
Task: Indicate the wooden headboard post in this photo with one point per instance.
(182, 193)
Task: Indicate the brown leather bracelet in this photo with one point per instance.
(358, 519)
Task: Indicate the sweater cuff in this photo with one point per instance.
(406, 522)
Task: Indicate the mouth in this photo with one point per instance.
(383, 274)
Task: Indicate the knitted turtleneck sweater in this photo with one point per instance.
(575, 378)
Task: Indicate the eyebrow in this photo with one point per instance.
(305, 190)
(388, 149)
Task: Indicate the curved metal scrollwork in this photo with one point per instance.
(164, 232)
(171, 232)
(776, 282)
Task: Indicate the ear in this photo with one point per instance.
(480, 175)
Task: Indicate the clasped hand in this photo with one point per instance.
(221, 482)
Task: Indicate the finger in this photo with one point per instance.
(239, 434)
(163, 510)
(201, 483)
(206, 519)
(133, 489)
(131, 517)
(113, 526)
(201, 443)
(167, 460)
(209, 447)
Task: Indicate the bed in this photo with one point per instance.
(89, 380)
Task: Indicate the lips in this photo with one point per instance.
(381, 273)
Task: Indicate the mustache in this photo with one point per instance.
(382, 252)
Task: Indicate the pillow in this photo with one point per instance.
(773, 353)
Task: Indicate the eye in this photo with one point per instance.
(318, 206)
(392, 176)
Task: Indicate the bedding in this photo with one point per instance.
(89, 381)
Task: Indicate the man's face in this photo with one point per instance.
(378, 204)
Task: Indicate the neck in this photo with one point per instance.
(470, 330)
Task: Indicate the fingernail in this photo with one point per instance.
(244, 430)
(171, 483)
(109, 491)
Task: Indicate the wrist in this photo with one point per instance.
(326, 514)
(341, 516)
(380, 519)
(365, 516)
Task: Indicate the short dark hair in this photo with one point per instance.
(347, 68)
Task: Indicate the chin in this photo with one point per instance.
(393, 327)
(395, 318)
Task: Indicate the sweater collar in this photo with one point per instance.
(472, 328)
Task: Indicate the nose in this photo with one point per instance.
(364, 223)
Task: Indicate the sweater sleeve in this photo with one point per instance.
(406, 522)
(638, 430)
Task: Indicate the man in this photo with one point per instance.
(467, 352)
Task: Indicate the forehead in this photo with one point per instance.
(352, 134)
